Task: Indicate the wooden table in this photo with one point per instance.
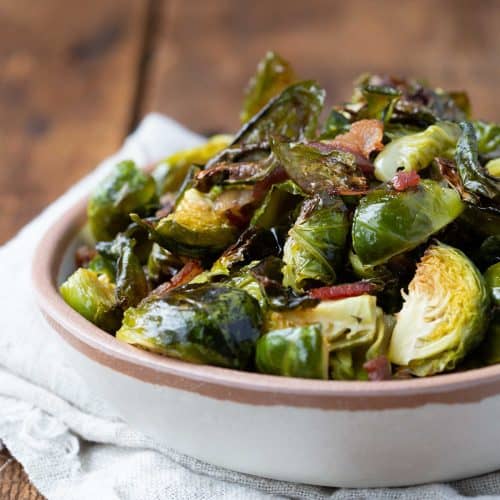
(76, 77)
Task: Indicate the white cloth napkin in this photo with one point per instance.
(70, 443)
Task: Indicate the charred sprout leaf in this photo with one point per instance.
(444, 315)
(346, 323)
(416, 151)
(162, 264)
(475, 178)
(314, 249)
(195, 229)
(292, 115)
(335, 124)
(488, 138)
(131, 282)
(102, 265)
(489, 251)
(348, 363)
(212, 324)
(170, 173)
(316, 168)
(293, 352)
(280, 200)
(482, 219)
(127, 189)
(380, 101)
(387, 223)
(273, 75)
(93, 296)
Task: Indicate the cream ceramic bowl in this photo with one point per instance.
(354, 434)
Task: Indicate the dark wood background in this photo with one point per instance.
(76, 77)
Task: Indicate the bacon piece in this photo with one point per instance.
(83, 255)
(404, 180)
(261, 188)
(378, 368)
(190, 270)
(363, 137)
(343, 291)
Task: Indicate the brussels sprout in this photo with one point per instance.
(346, 323)
(127, 189)
(482, 219)
(280, 200)
(212, 324)
(314, 249)
(195, 229)
(293, 115)
(318, 169)
(492, 279)
(162, 264)
(274, 74)
(387, 223)
(293, 352)
(474, 177)
(103, 265)
(416, 151)
(348, 363)
(93, 296)
(444, 315)
(170, 173)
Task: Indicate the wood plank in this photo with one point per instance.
(207, 50)
(14, 483)
(68, 78)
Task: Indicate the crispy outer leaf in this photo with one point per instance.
(474, 177)
(273, 75)
(293, 115)
(316, 168)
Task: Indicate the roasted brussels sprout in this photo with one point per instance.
(162, 264)
(293, 352)
(195, 228)
(416, 151)
(491, 344)
(93, 296)
(170, 173)
(212, 324)
(346, 323)
(127, 189)
(444, 315)
(274, 74)
(315, 245)
(387, 222)
(335, 124)
(493, 167)
(488, 139)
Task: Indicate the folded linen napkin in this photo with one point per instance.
(70, 443)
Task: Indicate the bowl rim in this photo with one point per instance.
(223, 383)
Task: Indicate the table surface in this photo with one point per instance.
(70, 95)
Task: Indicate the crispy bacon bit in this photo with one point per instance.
(277, 175)
(363, 137)
(190, 270)
(343, 291)
(404, 180)
(378, 368)
(83, 255)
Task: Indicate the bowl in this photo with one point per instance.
(330, 433)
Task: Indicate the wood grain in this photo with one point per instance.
(68, 78)
(14, 483)
(207, 50)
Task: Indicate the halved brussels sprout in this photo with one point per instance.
(170, 173)
(493, 167)
(347, 363)
(416, 151)
(273, 75)
(492, 279)
(211, 324)
(293, 352)
(127, 189)
(444, 315)
(315, 245)
(195, 228)
(387, 223)
(346, 323)
(93, 296)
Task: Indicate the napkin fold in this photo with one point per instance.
(71, 444)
